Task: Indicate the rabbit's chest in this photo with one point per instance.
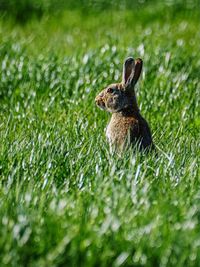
(122, 130)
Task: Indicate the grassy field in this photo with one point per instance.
(65, 200)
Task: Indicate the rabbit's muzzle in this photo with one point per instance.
(100, 102)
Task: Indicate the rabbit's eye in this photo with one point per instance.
(110, 90)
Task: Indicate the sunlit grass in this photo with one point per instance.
(65, 200)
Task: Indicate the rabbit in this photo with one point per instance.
(127, 127)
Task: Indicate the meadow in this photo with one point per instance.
(65, 199)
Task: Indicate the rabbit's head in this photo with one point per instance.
(121, 96)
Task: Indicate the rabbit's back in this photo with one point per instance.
(145, 134)
(124, 130)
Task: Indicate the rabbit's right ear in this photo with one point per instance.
(131, 72)
(128, 69)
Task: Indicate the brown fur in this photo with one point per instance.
(127, 126)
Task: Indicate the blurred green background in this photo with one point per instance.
(23, 10)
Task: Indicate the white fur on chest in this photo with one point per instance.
(115, 131)
(108, 133)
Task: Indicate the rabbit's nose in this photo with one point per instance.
(99, 102)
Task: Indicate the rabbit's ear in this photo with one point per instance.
(132, 70)
(128, 69)
(137, 70)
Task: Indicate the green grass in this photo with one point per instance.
(65, 200)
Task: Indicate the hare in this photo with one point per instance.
(127, 127)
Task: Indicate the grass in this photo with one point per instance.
(64, 199)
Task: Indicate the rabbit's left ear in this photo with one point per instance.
(137, 70)
(131, 71)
